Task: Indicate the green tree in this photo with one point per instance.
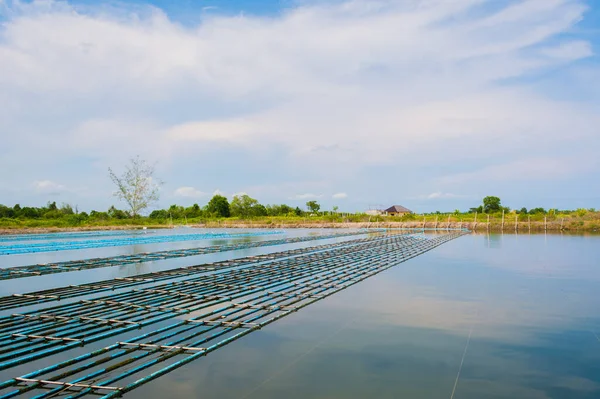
(279, 210)
(285, 210)
(6, 212)
(313, 206)
(159, 214)
(115, 213)
(491, 204)
(219, 206)
(242, 206)
(259, 210)
(536, 211)
(193, 211)
(99, 215)
(30, 213)
(66, 209)
(176, 211)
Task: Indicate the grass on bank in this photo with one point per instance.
(576, 220)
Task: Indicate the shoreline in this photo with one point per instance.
(521, 227)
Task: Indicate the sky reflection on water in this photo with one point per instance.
(529, 303)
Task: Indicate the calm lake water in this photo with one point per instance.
(480, 317)
(520, 313)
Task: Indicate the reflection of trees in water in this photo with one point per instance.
(134, 269)
(234, 241)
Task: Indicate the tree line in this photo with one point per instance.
(241, 206)
(493, 204)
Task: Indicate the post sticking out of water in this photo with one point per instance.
(502, 219)
(488, 223)
(448, 225)
(475, 223)
(436, 222)
(529, 222)
(562, 222)
(516, 222)
(545, 223)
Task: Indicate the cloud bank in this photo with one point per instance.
(388, 98)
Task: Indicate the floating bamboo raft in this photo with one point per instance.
(72, 235)
(120, 260)
(71, 324)
(205, 313)
(51, 246)
(71, 291)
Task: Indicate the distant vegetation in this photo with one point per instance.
(244, 209)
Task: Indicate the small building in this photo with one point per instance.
(397, 210)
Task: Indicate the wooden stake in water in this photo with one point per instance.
(488, 223)
(516, 222)
(529, 222)
(545, 223)
(502, 219)
(475, 224)
(436, 222)
(448, 225)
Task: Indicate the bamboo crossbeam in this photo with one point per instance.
(47, 338)
(66, 384)
(66, 318)
(134, 305)
(224, 323)
(160, 347)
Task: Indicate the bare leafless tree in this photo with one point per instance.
(137, 186)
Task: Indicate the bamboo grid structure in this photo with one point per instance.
(76, 234)
(71, 291)
(120, 260)
(25, 337)
(220, 307)
(51, 246)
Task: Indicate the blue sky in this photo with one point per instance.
(430, 104)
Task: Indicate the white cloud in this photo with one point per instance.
(336, 86)
(306, 196)
(48, 186)
(527, 169)
(569, 50)
(217, 131)
(219, 192)
(188, 192)
(439, 194)
(339, 196)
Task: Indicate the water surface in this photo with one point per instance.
(481, 317)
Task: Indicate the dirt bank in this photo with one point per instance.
(553, 226)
